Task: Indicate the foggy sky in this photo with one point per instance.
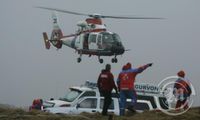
(28, 70)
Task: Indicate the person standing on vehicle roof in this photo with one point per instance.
(125, 84)
(182, 91)
(106, 84)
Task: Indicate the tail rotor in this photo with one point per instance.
(46, 40)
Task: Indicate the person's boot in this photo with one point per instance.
(131, 108)
(122, 112)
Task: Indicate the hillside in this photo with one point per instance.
(19, 114)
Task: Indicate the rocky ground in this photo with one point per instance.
(20, 114)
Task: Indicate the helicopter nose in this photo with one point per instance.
(117, 49)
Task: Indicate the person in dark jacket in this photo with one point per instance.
(105, 85)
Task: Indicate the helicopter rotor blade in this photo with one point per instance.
(127, 17)
(63, 11)
(96, 15)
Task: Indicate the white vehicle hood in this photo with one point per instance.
(58, 103)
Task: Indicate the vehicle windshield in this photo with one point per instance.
(71, 96)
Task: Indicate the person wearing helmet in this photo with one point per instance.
(105, 85)
(182, 90)
(125, 84)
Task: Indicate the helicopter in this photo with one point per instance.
(91, 38)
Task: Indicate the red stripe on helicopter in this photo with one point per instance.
(94, 21)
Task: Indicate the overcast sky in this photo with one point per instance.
(28, 70)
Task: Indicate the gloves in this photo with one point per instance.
(150, 64)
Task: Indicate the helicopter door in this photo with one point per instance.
(92, 41)
(99, 41)
(79, 41)
(85, 41)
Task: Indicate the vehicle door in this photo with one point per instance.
(111, 108)
(87, 105)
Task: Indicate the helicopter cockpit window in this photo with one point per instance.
(107, 37)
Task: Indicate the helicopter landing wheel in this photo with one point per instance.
(114, 60)
(78, 60)
(101, 61)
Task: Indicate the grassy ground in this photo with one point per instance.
(19, 114)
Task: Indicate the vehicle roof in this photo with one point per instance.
(82, 88)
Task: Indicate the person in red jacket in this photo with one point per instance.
(125, 83)
(36, 105)
(182, 90)
(105, 85)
